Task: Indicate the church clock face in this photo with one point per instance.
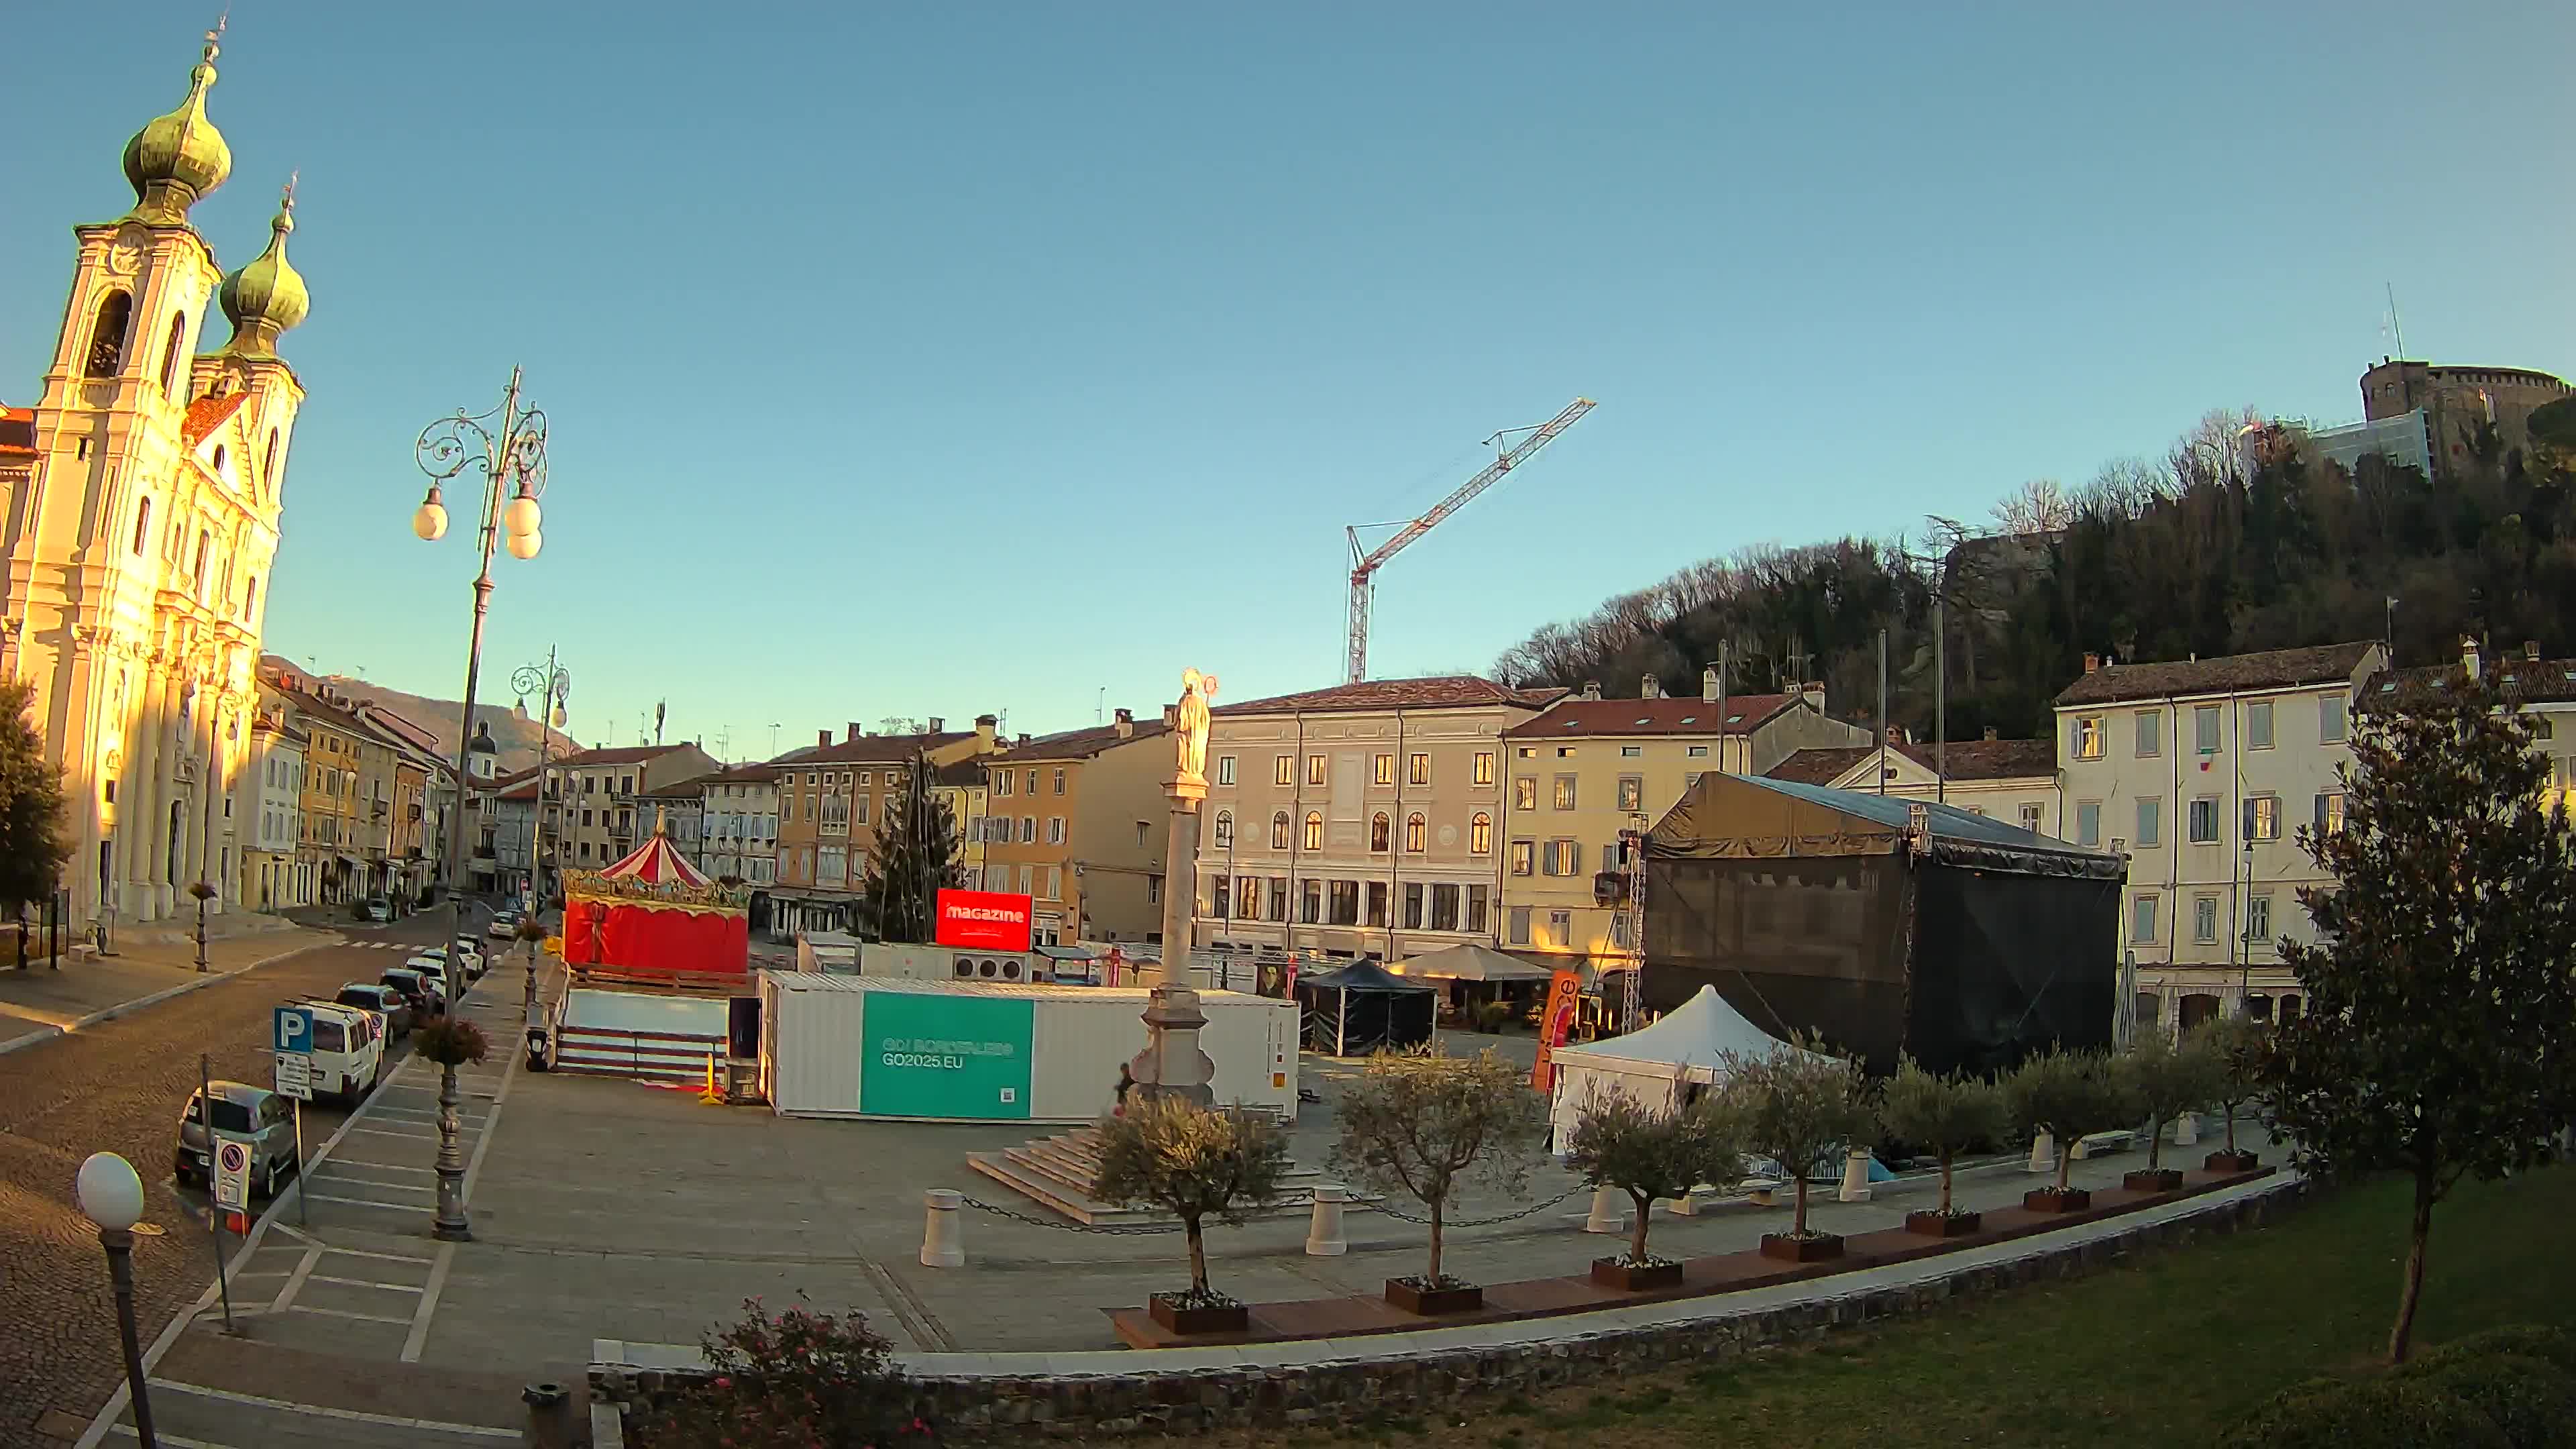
(125, 254)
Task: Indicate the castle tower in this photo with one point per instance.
(140, 544)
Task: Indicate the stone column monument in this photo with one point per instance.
(1172, 1063)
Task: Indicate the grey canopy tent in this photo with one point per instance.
(1364, 1008)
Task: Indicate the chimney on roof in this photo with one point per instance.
(1024, 737)
(1126, 724)
(1708, 689)
(1650, 687)
(1990, 732)
(1814, 695)
(2092, 663)
(1592, 689)
(855, 731)
(938, 726)
(822, 738)
(2469, 655)
(2531, 650)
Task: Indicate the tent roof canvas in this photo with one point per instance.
(1468, 961)
(1697, 1034)
(655, 862)
(1364, 976)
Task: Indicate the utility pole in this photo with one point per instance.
(1940, 700)
(1882, 711)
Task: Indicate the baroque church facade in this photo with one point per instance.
(141, 520)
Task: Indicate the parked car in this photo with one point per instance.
(242, 1113)
(505, 924)
(377, 909)
(420, 990)
(469, 955)
(431, 961)
(347, 1052)
(382, 1000)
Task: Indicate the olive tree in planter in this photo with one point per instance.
(1795, 1105)
(450, 1042)
(2069, 1096)
(2164, 1081)
(1942, 1116)
(2236, 1047)
(1648, 1154)
(1195, 1164)
(1427, 1125)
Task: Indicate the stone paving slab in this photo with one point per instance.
(44, 1001)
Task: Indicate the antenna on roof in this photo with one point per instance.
(2395, 327)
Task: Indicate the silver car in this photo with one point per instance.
(242, 1113)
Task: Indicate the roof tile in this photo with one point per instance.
(2227, 674)
(1439, 691)
(1671, 716)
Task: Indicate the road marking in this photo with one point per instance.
(398, 1207)
(361, 1317)
(369, 1253)
(367, 1283)
(173, 1440)
(342, 1164)
(427, 1308)
(355, 1416)
(295, 1281)
(380, 1132)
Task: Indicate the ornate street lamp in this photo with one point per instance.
(111, 1195)
(508, 445)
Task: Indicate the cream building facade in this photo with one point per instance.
(1360, 820)
(1077, 822)
(141, 529)
(2014, 781)
(602, 816)
(1589, 768)
(270, 803)
(2202, 772)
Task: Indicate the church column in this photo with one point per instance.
(196, 849)
(159, 726)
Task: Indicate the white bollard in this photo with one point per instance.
(2043, 1153)
(2186, 1129)
(1324, 1231)
(942, 1245)
(1855, 1175)
(1606, 1215)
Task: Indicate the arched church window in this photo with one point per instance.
(170, 355)
(204, 539)
(268, 465)
(142, 524)
(219, 460)
(250, 598)
(107, 335)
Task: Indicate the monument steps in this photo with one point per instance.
(1057, 1172)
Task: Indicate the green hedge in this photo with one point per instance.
(2506, 1388)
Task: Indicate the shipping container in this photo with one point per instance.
(953, 963)
(877, 1047)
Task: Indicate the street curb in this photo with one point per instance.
(54, 1033)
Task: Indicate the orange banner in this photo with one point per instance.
(1564, 995)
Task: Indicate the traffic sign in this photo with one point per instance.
(295, 1076)
(232, 1175)
(293, 1030)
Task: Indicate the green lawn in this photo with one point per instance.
(2171, 1347)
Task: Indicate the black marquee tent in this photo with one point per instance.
(1881, 924)
(1364, 1008)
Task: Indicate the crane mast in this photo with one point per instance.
(1366, 563)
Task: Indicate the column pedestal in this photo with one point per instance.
(1172, 1063)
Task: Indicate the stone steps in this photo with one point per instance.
(1057, 1172)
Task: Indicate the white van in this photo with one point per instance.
(348, 1050)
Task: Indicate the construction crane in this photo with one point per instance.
(1366, 563)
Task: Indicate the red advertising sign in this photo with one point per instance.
(983, 920)
(1564, 995)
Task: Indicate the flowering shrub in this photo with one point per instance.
(795, 1379)
(450, 1041)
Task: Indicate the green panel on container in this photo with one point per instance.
(946, 1056)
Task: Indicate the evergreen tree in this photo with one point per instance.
(915, 856)
(35, 842)
(2439, 1040)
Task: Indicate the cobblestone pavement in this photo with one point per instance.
(118, 1086)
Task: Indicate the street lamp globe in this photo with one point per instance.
(430, 522)
(109, 1192)
(521, 516)
(525, 545)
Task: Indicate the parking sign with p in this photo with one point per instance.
(294, 1027)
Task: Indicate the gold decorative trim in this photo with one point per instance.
(711, 896)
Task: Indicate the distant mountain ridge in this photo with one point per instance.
(516, 734)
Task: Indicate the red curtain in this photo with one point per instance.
(636, 938)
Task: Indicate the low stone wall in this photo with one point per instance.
(1416, 1381)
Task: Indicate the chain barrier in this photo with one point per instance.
(1446, 1224)
(1106, 1230)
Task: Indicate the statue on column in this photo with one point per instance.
(1190, 724)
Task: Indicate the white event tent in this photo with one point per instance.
(1658, 1064)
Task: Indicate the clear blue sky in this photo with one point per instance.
(935, 359)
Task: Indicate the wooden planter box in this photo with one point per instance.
(1824, 1247)
(1212, 1318)
(1942, 1225)
(1432, 1302)
(2224, 1161)
(1618, 1273)
(2050, 1200)
(2153, 1179)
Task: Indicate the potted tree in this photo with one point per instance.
(2166, 1080)
(1426, 1125)
(1942, 1116)
(1619, 1142)
(1793, 1106)
(1195, 1164)
(2067, 1095)
(2236, 1045)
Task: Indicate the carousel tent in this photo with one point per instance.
(1660, 1064)
(654, 914)
(1364, 1008)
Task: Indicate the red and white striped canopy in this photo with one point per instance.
(656, 863)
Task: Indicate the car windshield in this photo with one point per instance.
(230, 1116)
